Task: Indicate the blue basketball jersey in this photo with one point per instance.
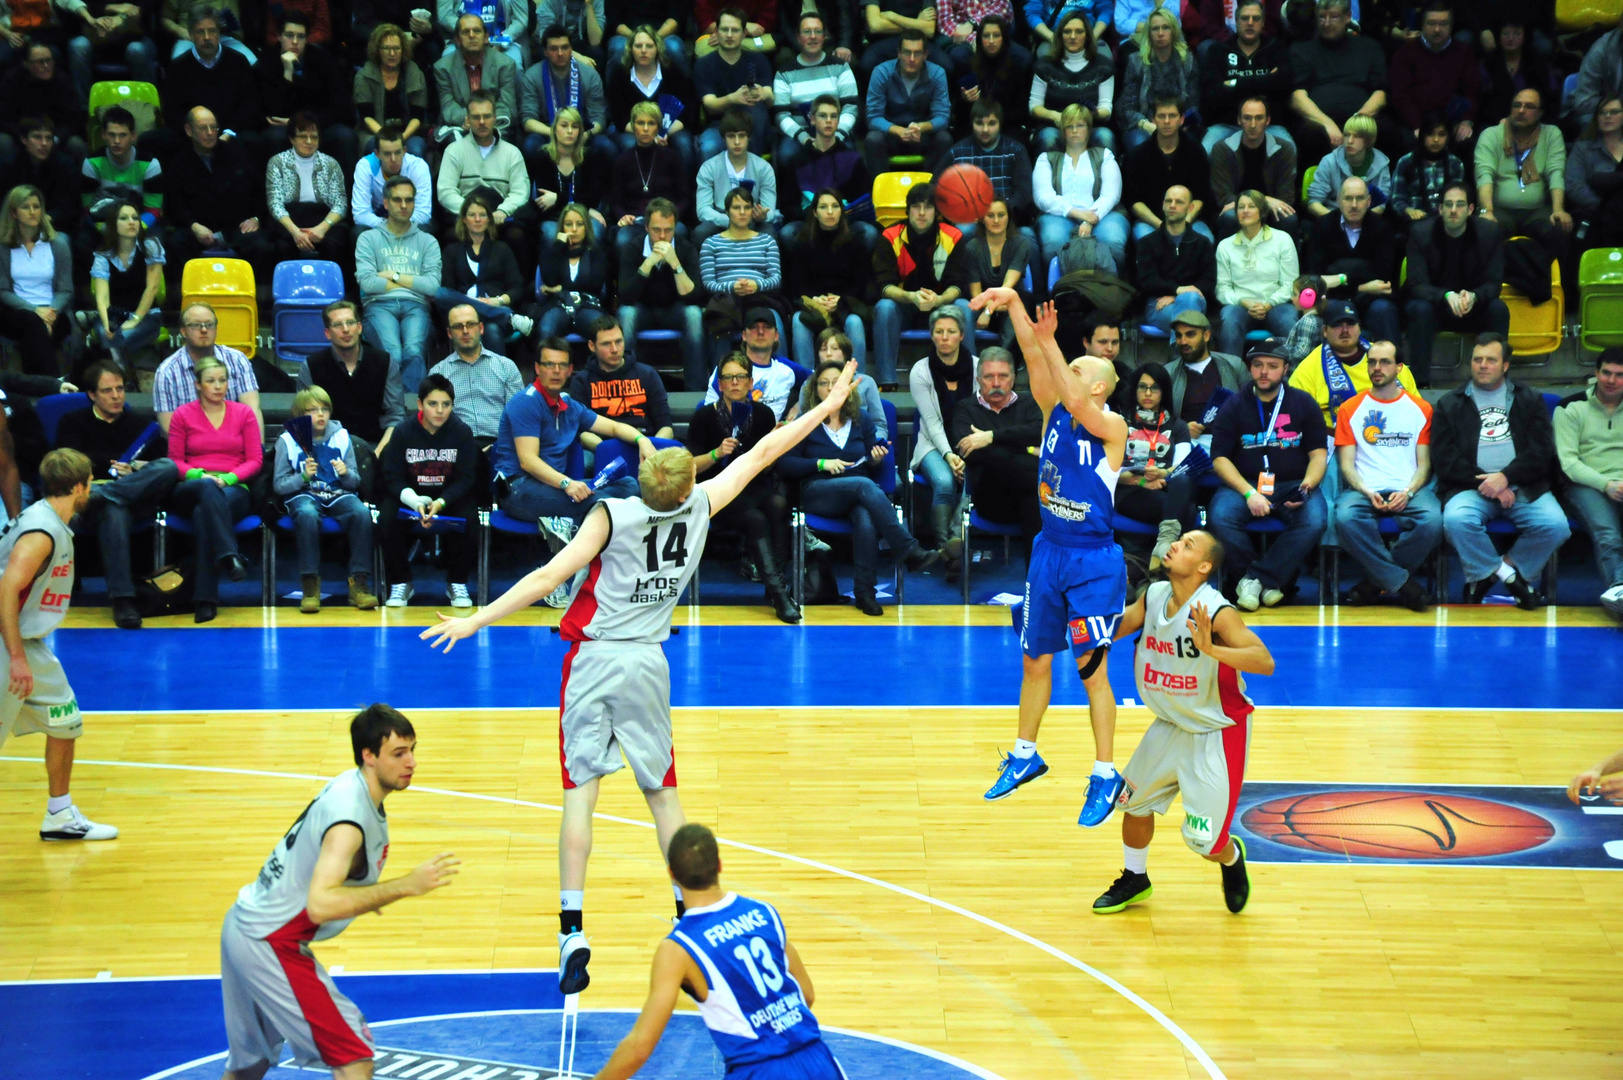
(1076, 487)
(754, 1008)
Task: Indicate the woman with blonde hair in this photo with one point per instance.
(647, 73)
(575, 276)
(482, 271)
(1077, 190)
(1162, 66)
(36, 280)
(566, 172)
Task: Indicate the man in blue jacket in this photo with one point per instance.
(908, 108)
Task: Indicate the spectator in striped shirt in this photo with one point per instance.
(796, 88)
(740, 262)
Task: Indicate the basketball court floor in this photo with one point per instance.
(1425, 901)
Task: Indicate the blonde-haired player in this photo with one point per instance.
(638, 554)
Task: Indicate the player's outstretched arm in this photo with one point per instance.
(671, 963)
(1044, 390)
(1228, 640)
(1132, 620)
(1594, 781)
(538, 583)
(330, 898)
(724, 488)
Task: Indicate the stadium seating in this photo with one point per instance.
(493, 520)
(169, 521)
(1600, 290)
(226, 285)
(301, 289)
(1537, 329)
(140, 98)
(890, 195)
(53, 408)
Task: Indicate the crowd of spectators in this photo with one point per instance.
(495, 177)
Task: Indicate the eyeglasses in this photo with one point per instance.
(1610, 112)
(200, 325)
(564, 366)
(732, 378)
(312, 135)
(465, 326)
(347, 324)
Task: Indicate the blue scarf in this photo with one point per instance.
(1336, 380)
(574, 91)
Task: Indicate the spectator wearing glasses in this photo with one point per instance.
(1521, 175)
(301, 77)
(104, 432)
(1594, 178)
(484, 382)
(398, 267)
(363, 382)
(390, 90)
(37, 88)
(213, 198)
(175, 383)
(306, 195)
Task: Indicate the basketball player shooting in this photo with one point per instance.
(639, 554)
(1076, 583)
(1188, 664)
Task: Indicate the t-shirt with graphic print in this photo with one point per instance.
(1384, 435)
(1494, 447)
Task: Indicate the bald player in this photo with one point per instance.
(639, 554)
(1076, 581)
(1188, 666)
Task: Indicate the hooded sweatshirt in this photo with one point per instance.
(416, 254)
(436, 466)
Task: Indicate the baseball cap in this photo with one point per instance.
(1267, 347)
(1193, 318)
(759, 314)
(1339, 311)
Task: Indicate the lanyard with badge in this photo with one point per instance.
(1265, 478)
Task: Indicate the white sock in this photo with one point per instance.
(1505, 571)
(1234, 854)
(676, 890)
(571, 899)
(1106, 769)
(1024, 748)
(1135, 859)
(58, 803)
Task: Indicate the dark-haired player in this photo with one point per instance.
(319, 877)
(730, 954)
(1187, 665)
(1076, 585)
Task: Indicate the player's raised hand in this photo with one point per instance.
(449, 630)
(432, 874)
(841, 389)
(1200, 625)
(1047, 320)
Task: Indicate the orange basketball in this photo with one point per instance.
(1398, 825)
(962, 193)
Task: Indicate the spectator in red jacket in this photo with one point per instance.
(1435, 72)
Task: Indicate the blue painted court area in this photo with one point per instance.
(1482, 667)
(495, 1026)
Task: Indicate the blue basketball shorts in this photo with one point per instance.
(811, 1062)
(1074, 598)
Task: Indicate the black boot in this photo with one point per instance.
(783, 604)
(942, 520)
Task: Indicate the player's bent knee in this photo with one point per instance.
(1088, 665)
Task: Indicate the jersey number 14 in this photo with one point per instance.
(675, 550)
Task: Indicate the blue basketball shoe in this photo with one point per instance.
(1014, 772)
(1101, 800)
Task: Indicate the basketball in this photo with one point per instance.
(962, 194)
(1397, 825)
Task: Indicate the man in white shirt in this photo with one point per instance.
(375, 170)
(1383, 442)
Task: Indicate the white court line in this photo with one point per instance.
(352, 707)
(1148, 1009)
(972, 1069)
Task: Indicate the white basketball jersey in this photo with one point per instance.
(632, 585)
(46, 601)
(275, 901)
(1178, 682)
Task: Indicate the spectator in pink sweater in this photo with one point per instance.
(215, 445)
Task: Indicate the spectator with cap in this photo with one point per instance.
(1589, 445)
(1269, 446)
(1456, 265)
(1493, 448)
(1383, 443)
(1196, 373)
(777, 379)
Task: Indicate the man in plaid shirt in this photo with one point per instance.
(176, 380)
(1004, 161)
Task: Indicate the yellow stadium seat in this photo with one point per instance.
(1574, 15)
(1537, 329)
(226, 285)
(890, 195)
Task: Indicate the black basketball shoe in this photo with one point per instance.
(1130, 888)
(1527, 598)
(1236, 882)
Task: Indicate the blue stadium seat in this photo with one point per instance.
(973, 523)
(169, 521)
(53, 407)
(803, 521)
(329, 527)
(300, 289)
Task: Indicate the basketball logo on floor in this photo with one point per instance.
(1428, 824)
